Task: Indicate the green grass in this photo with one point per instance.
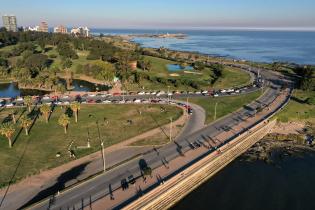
(38, 150)
(298, 109)
(231, 77)
(225, 105)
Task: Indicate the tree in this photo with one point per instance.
(64, 121)
(37, 62)
(105, 70)
(28, 101)
(7, 130)
(25, 123)
(199, 66)
(65, 50)
(75, 107)
(66, 63)
(217, 70)
(45, 110)
(276, 66)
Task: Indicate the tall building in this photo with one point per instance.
(61, 29)
(43, 27)
(9, 22)
(81, 31)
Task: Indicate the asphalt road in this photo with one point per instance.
(99, 186)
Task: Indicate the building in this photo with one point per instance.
(61, 29)
(9, 22)
(81, 31)
(29, 28)
(43, 27)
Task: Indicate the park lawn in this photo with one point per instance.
(298, 109)
(38, 150)
(226, 105)
(231, 77)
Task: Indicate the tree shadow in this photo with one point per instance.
(293, 98)
(15, 171)
(59, 185)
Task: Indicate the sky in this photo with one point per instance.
(164, 13)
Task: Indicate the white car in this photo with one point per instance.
(92, 95)
(237, 91)
(141, 93)
(18, 99)
(122, 102)
(66, 103)
(9, 105)
(148, 93)
(230, 90)
(145, 101)
(153, 93)
(46, 98)
(137, 101)
(170, 94)
(198, 92)
(106, 102)
(204, 92)
(216, 95)
(223, 91)
(65, 97)
(162, 92)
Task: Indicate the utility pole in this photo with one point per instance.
(215, 111)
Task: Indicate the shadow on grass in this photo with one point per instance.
(15, 171)
(58, 186)
(298, 100)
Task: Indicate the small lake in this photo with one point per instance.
(177, 67)
(12, 89)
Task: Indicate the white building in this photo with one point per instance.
(81, 31)
(29, 28)
(9, 22)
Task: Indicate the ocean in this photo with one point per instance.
(260, 46)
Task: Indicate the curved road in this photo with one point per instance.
(99, 186)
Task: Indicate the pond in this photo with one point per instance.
(12, 89)
(177, 67)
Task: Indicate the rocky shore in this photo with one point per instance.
(271, 150)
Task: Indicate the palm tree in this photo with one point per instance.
(45, 110)
(64, 121)
(13, 116)
(25, 123)
(75, 107)
(28, 101)
(7, 129)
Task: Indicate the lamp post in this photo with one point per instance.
(101, 143)
(168, 94)
(171, 128)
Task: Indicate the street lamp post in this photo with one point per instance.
(101, 143)
(171, 124)
(103, 156)
(168, 94)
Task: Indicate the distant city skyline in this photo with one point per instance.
(177, 14)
